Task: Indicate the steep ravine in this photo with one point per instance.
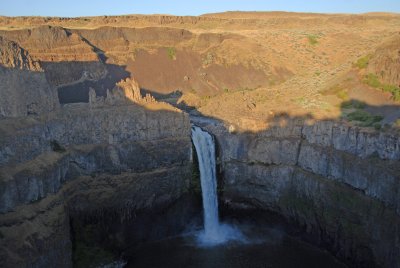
(339, 183)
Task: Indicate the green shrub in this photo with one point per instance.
(364, 118)
(396, 95)
(312, 39)
(358, 104)
(358, 115)
(171, 53)
(372, 80)
(392, 89)
(362, 63)
(353, 104)
(343, 94)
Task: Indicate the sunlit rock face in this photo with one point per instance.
(338, 182)
(24, 89)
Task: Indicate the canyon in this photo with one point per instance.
(96, 155)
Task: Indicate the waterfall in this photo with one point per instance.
(205, 149)
(214, 232)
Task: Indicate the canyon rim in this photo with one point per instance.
(96, 113)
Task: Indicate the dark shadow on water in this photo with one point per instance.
(270, 243)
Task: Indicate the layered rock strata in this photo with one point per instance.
(340, 183)
(24, 89)
(85, 161)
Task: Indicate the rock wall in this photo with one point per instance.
(340, 183)
(87, 161)
(13, 56)
(24, 89)
(23, 92)
(52, 44)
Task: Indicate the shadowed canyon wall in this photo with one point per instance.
(113, 160)
(339, 183)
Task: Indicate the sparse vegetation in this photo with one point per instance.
(171, 53)
(312, 39)
(353, 111)
(343, 94)
(337, 90)
(362, 63)
(353, 104)
(372, 80)
(207, 97)
(209, 59)
(392, 89)
(364, 118)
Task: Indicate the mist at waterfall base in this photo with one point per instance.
(214, 233)
(242, 240)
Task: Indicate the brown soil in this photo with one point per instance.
(228, 65)
(162, 73)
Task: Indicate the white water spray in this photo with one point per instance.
(214, 232)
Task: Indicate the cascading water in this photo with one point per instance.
(214, 232)
(205, 149)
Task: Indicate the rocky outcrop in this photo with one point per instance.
(52, 44)
(65, 56)
(131, 91)
(338, 182)
(85, 162)
(24, 92)
(23, 86)
(13, 56)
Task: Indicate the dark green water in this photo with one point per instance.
(264, 248)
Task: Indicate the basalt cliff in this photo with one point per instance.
(96, 114)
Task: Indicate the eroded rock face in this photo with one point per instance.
(24, 92)
(13, 56)
(24, 89)
(86, 162)
(338, 182)
(52, 44)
